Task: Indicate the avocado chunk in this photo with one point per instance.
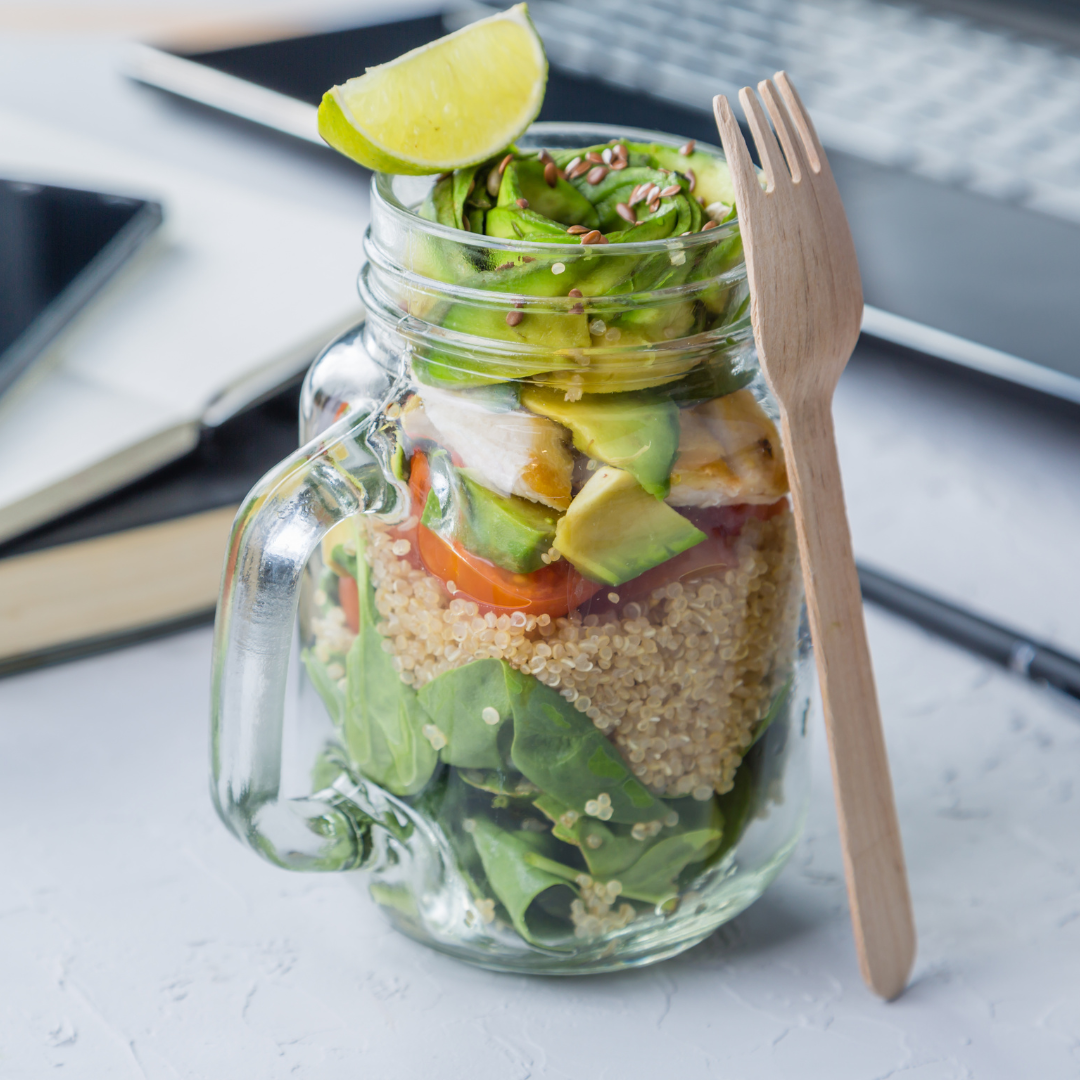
(615, 530)
(634, 432)
(509, 531)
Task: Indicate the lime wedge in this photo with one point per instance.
(454, 102)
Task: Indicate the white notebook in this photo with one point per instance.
(233, 296)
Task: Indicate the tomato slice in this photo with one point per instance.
(552, 590)
(349, 599)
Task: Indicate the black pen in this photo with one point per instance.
(1006, 647)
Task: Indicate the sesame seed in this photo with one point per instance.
(557, 268)
(605, 155)
(626, 213)
(551, 174)
(687, 148)
(597, 174)
(523, 203)
(514, 317)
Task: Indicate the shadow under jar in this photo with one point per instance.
(519, 630)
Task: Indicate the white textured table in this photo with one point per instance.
(138, 939)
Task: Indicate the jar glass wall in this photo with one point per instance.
(551, 680)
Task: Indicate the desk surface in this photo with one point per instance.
(138, 939)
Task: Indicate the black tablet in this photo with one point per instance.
(59, 246)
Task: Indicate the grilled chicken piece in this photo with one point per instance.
(729, 452)
(512, 451)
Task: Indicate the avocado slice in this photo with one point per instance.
(634, 432)
(509, 531)
(615, 530)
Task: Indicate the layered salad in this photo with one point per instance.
(569, 648)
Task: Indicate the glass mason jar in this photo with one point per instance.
(519, 630)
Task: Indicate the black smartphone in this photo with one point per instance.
(58, 246)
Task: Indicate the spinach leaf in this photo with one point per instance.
(383, 720)
(456, 701)
(560, 751)
(507, 860)
(613, 852)
(653, 877)
(775, 709)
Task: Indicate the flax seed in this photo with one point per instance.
(575, 292)
(671, 189)
(577, 230)
(578, 309)
(572, 165)
(514, 317)
(626, 213)
(709, 225)
(593, 237)
(597, 174)
(580, 169)
(619, 163)
(691, 179)
(523, 203)
(494, 182)
(551, 174)
(594, 157)
(687, 148)
(605, 155)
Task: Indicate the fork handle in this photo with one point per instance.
(869, 831)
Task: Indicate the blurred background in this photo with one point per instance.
(161, 360)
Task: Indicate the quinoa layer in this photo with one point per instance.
(677, 681)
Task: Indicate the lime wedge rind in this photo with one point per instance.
(446, 105)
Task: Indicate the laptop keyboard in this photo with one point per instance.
(945, 96)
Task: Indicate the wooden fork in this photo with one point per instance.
(806, 306)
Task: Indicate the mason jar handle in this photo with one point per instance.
(344, 471)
